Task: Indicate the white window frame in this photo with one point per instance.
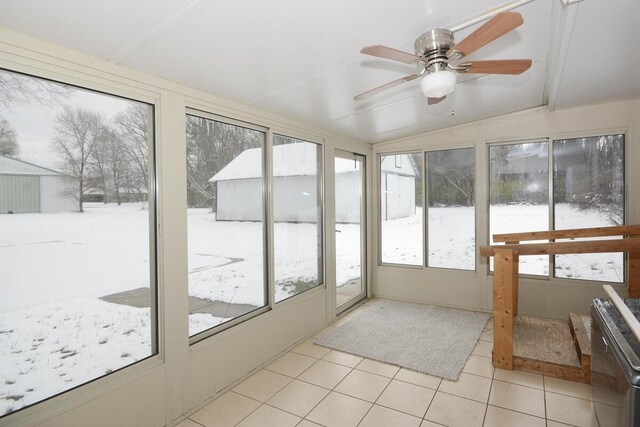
(193, 339)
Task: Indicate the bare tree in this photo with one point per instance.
(116, 163)
(133, 144)
(8, 139)
(211, 145)
(97, 176)
(77, 133)
(451, 177)
(18, 88)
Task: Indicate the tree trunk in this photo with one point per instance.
(80, 189)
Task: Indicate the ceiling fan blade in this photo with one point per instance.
(432, 101)
(390, 53)
(497, 26)
(505, 66)
(377, 90)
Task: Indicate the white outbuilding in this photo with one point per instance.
(397, 187)
(29, 188)
(239, 192)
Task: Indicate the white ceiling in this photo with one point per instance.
(300, 58)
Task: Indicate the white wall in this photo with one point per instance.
(55, 194)
(164, 388)
(347, 205)
(473, 290)
(398, 194)
(239, 200)
(295, 199)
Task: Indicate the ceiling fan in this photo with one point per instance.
(435, 50)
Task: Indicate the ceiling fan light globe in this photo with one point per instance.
(438, 84)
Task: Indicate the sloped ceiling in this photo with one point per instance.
(300, 58)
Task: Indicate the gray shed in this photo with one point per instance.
(295, 192)
(29, 188)
(397, 187)
(239, 193)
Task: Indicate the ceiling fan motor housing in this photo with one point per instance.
(433, 46)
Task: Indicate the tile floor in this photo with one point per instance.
(316, 386)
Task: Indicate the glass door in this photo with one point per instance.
(351, 284)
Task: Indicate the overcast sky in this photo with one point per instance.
(34, 122)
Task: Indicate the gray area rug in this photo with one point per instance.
(425, 338)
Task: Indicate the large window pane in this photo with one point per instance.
(350, 228)
(297, 210)
(401, 239)
(225, 220)
(77, 275)
(451, 209)
(519, 195)
(588, 191)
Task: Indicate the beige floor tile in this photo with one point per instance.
(469, 386)
(409, 398)
(341, 358)
(338, 410)
(291, 364)
(262, 385)
(454, 411)
(308, 348)
(499, 417)
(487, 335)
(363, 385)
(607, 396)
(267, 416)
(375, 367)
(298, 397)
(324, 332)
(518, 398)
(483, 348)
(520, 377)
(427, 423)
(569, 410)
(608, 416)
(556, 424)
(227, 410)
(325, 374)
(479, 365)
(307, 423)
(418, 378)
(568, 388)
(189, 423)
(379, 416)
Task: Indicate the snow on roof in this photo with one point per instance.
(11, 166)
(399, 164)
(249, 163)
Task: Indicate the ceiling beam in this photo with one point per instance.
(174, 21)
(562, 31)
(488, 14)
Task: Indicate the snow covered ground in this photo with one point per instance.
(226, 260)
(55, 332)
(451, 233)
(49, 348)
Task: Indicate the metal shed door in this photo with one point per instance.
(19, 194)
